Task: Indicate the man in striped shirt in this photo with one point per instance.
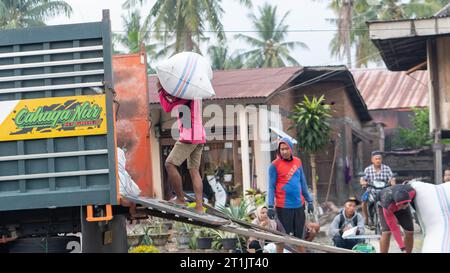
(375, 172)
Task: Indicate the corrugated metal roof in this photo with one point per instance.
(383, 89)
(242, 83)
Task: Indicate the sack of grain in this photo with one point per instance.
(433, 210)
(186, 75)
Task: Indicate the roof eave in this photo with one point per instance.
(402, 43)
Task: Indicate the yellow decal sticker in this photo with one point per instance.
(52, 117)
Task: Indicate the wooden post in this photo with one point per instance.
(435, 118)
(314, 184)
(243, 127)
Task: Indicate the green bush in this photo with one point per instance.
(418, 136)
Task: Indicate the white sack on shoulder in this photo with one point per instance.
(186, 75)
(433, 209)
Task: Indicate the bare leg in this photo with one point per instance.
(175, 179)
(198, 188)
(365, 212)
(409, 241)
(385, 242)
(313, 230)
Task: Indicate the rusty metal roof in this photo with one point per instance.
(242, 83)
(383, 89)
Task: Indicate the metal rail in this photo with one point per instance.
(50, 87)
(50, 51)
(50, 175)
(53, 155)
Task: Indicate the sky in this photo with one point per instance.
(305, 15)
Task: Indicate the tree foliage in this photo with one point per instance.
(312, 122)
(418, 135)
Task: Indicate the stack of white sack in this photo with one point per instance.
(186, 75)
(127, 187)
(432, 204)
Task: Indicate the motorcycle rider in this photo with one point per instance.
(375, 172)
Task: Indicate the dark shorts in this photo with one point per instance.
(404, 219)
(293, 220)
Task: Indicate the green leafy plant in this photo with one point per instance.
(158, 228)
(227, 168)
(256, 197)
(205, 233)
(210, 171)
(193, 243)
(221, 235)
(239, 212)
(418, 136)
(147, 240)
(183, 227)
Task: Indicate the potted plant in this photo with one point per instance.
(157, 234)
(135, 236)
(184, 234)
(205, 238)
(167, 225)
(256, 197)
(225, 240)
(228, 172)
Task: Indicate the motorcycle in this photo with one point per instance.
(214, 189)
(373, 189)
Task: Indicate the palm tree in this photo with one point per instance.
(312, 123)
(356, 34)
(184, 23)
(269, 48)
(222, 60)
(26, 13)
(136, 34)
(342, 44)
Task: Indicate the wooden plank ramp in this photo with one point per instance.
(218, 220)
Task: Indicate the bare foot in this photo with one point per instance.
(178, 201)
(199, 209)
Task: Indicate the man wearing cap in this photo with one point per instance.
(393, 207)
(348, 218)
(375, 172)
(287, 185)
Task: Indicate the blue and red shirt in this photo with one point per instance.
(287, 182)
